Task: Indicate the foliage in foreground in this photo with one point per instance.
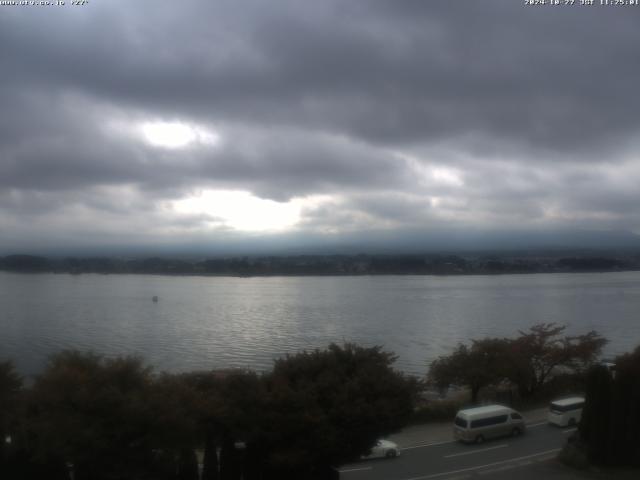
(610, 425)
(528, 361)
(113, 418)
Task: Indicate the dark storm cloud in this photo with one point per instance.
(385, 71)
(70, 149)
(409, 114)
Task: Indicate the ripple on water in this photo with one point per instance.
(203, 323)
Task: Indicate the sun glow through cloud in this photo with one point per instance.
(241, 210)
(175, 135)
(447, 176)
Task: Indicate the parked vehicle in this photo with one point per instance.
(481, 423)
(566, 412)
(383, 449)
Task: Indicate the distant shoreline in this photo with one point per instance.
(328, 265)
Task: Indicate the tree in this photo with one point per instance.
(227, 407)
(93, 412)
(232, 406)
(330, 406)
(210, 460)
(177, 409)
(528, 361)
(10, 387)
(188, 464)
(475, 366)
(10, 390)
(610, 424)
(595, 422)
(542, 351)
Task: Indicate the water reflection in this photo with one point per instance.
(215, 322)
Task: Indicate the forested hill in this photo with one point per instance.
(331, 264)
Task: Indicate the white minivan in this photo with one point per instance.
(481, 423)
(566, 412)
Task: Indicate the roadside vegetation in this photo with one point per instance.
(540, 364)
(609, 431)
(538, 358)
(113, 418)
(105, 418)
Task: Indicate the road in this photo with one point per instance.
(449, 460)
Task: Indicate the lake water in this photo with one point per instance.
(218, 322)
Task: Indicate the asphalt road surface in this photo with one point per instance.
(453, 460)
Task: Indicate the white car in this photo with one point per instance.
(383, 449)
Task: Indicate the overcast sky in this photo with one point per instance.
(213, 124)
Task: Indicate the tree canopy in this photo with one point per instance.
(92, 413)
(528, 361)
(474, 366)
(114, 418)
(10, 386)
(543, 350)
(10, 391)
(330, 406)
(610, 424)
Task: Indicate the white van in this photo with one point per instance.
(481, 423)
(566, 412)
